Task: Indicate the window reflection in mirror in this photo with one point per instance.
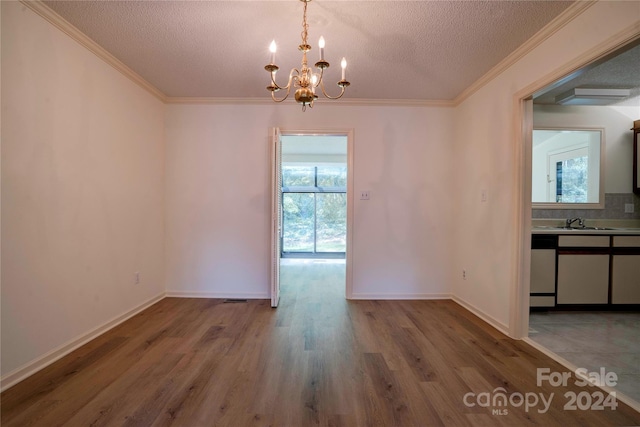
(567, 168)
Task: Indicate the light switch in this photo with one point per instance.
(483, 196)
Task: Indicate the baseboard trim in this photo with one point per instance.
(19, 374)
(385, 296)
(572, 367)
(217, 295)
(482, 315)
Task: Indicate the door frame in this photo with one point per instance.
(349, 133)
(522, 126)
(275, 151)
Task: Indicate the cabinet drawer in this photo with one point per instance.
(584, 241)
(536, 301)
(544, 241)
(626, 241)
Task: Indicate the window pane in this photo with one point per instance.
(332, 176)
(293, 176)
(297, 222)
(331, 222)
(572, 179)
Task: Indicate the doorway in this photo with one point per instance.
(588, 339)
(311, 207)
(523, 120)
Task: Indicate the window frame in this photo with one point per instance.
(314, 190)
(601, 170)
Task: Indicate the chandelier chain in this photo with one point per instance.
(305, 26)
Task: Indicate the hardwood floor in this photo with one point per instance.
(316, 360)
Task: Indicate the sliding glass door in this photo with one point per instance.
(314, 210)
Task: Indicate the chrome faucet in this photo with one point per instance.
(572, 220)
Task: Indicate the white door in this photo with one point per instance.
(276, 213)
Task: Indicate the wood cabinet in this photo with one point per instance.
(625, 279)
(543, 278)
(585, 270)
(583, 279)
(625, 270)
(543, 271)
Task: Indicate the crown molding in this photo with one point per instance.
(569, 14)
(66, 27)
(63, 25)
(343, 102)
(393, 102)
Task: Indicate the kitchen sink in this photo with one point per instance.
(584, 228)
(595, 228)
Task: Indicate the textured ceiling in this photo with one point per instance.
(620, 70)
(413, 50)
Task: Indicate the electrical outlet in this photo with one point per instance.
(365, 194)
(464, 274)
(483, 196)
(628, 208)
(136, 277)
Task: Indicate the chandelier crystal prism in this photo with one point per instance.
(304, 80)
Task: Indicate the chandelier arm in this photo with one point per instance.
(273, 96)
(273, 82)
(324, 92)
(292, 75)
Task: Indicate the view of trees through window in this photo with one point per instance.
(572, 179)
(314, 208)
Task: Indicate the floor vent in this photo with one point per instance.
(235, 300)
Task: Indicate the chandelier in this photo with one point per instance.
(305, 81)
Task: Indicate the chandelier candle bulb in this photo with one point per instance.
(321, 45)
(343, 64)
(272, 49)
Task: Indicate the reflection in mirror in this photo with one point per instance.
(567, 168)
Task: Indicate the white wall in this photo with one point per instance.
(218, 203)
(84, 201)
(485, 235)
(616, 121)
(82, 191)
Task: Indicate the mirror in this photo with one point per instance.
(567, 168)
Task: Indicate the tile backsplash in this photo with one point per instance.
(614, 209)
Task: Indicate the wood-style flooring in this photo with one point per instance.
(316, 360)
